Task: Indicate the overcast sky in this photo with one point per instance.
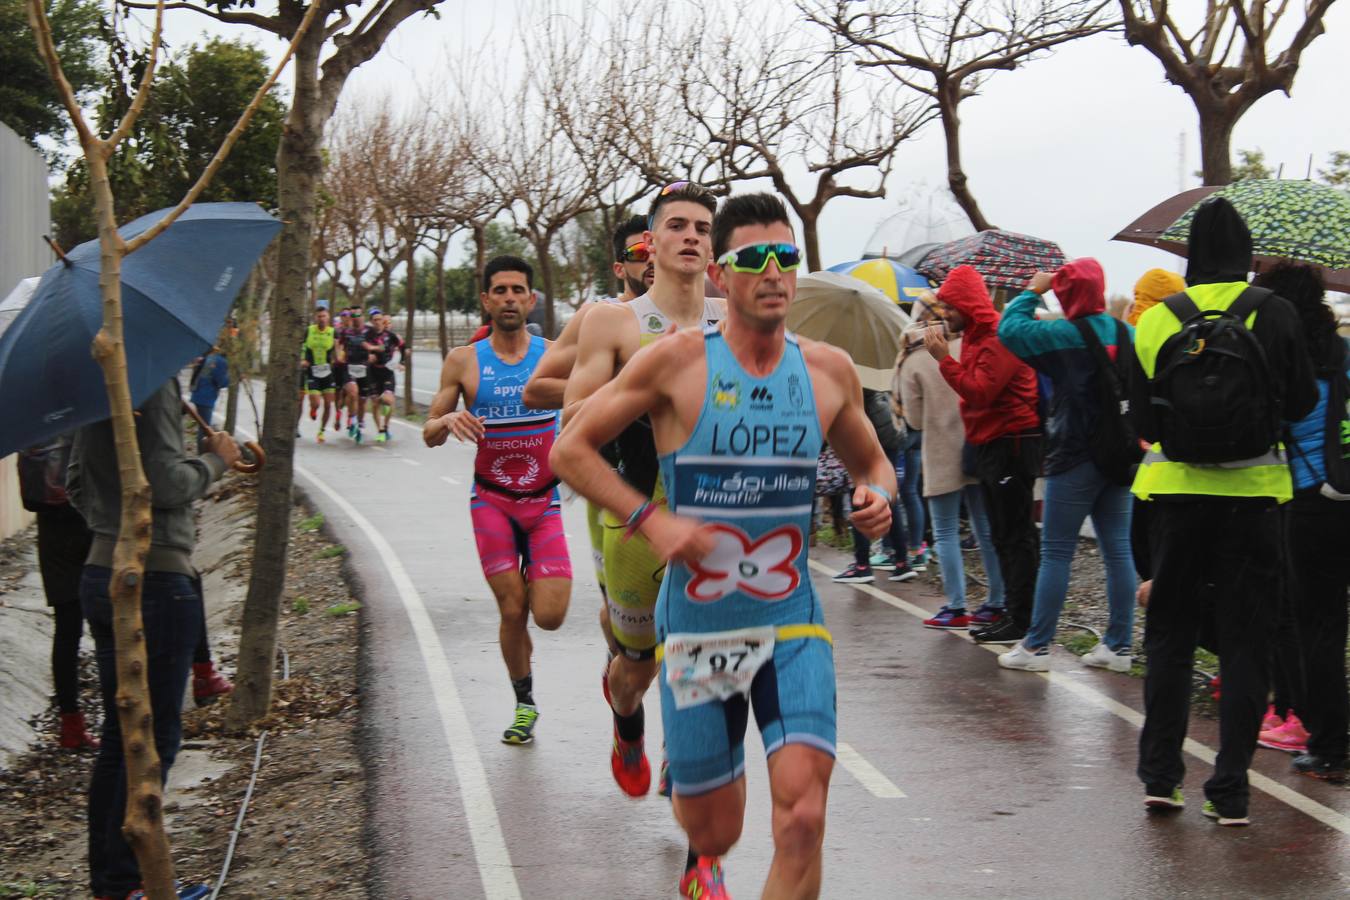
(1071, 147)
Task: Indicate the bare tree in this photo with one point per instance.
(774, 105)
(143, 826)
(947, 49)
(356, 35)
(1225, 65)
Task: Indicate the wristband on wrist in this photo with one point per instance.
(882, 491)
(640, 515)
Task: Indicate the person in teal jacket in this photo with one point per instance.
(1074, 486)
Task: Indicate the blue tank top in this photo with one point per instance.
(513, 452)
(748, 469)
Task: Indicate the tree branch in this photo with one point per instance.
(42, 29)
(266, 23)
(230, 139)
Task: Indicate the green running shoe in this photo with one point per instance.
(522, 729)
(1173, 800)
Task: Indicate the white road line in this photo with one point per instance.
(1202, 752)
(448, 480)
(866, 774)
(408, 461)
(485, 829)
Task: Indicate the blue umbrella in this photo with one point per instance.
(176, 291)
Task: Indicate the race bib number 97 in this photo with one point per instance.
(356, 371)
(704, 667)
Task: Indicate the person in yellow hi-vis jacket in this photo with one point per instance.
(1220, 368)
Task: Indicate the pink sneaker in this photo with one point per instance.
(1290, 737)
(1271, 721)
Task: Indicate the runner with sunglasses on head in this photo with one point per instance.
(678, 237)
(635, 270)
(738, 414)
(339, 366)
(514, 503)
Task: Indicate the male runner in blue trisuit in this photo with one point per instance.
(738, 413)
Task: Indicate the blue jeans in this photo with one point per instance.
(171, 612)
(1070, 497)
(946, 512)
(910, 485)
(862, 547)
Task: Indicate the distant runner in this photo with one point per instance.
(517, 514)
(382, 382)
(320, 382)
(738, 414)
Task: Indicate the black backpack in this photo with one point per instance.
(42, 474)
(1336, 446)
(1212, 393)
(1114, 444)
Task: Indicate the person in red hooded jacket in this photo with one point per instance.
(998, 407)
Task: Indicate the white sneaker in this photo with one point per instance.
(1019, 657)
(1103, 657)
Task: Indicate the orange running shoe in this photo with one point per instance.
(704, 881)
(628, 760)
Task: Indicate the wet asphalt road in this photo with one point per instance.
(962, 779)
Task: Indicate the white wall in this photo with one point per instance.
(25, 216)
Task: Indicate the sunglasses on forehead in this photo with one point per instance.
(673, 188)
(754, 258)
(636, 253)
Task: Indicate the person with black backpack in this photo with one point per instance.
(1217, 370)
(1091, 451)
(1317, 524)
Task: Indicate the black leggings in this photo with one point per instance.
(66, 656)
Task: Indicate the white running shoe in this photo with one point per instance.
(1103, 657)
(1019, 657)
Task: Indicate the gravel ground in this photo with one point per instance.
(303, 835)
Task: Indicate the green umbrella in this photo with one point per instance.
(1294, 220)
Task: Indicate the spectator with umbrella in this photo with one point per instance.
(1216, 475)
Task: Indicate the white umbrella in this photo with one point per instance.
(850, 314)
(18, 298)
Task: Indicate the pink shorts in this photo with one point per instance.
(514, 532)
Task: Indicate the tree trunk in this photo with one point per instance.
(479, 255)
(948, 101)
(143, 826)
(480, 262)
(411, 296)
(1216, 134)
(387, 288)
(299, 167)
(546, 277)
(811, 237)
(441, 249)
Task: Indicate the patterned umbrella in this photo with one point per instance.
(1289, 220)
(901, 283)
(1004, 258)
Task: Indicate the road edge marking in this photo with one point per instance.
(866, 774)
(1203, 752)
(480, 812)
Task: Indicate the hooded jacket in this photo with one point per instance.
(1056, 349)
(997, 390)
(1219, 256)
(1153, 286)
